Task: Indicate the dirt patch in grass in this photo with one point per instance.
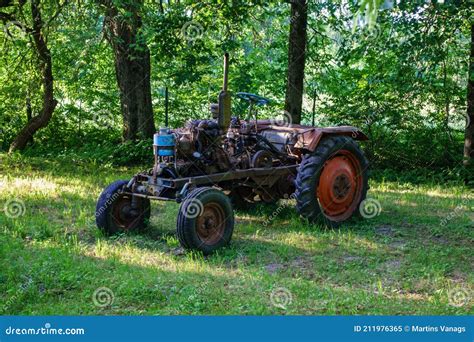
(385, 230)
(397, 244)
(351, 258)
(299, 266)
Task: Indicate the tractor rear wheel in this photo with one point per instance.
(332, 181)
(205, 220)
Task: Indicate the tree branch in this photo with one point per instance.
(58, 12)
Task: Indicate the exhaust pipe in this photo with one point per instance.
(224, 98)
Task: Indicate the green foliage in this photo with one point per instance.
(403, 82)
(107, 153)
(399, 73)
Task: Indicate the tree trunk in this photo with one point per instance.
(29, 113)
(469, 133)
(132, 68)
(45, 65)
(296, 59)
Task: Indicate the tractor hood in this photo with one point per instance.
(308, 137)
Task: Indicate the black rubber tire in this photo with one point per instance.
(105, 219)
(309, 173)
(186, 224)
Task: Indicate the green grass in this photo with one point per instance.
(403, 261)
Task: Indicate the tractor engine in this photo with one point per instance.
(199, 148)
(196, 149)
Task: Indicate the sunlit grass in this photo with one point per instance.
(403, 261)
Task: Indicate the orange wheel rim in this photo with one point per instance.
(122, 213)
(340, 186)
(210, 224)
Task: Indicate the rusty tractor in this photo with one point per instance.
(213, 166)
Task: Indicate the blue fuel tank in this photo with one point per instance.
(164, 143)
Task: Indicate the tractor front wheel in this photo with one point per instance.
(205, 220)
(117, 212)
(332, 182)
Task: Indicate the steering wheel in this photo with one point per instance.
(253, 98)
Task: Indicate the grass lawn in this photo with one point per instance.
(415, 257)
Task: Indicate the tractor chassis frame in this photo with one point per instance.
(146, 186)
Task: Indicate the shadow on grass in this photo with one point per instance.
(64, 278)
(65, 213)
(63, 281)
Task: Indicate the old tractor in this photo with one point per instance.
(212, 166)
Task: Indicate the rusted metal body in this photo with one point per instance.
(271, 173)
(308, 137)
